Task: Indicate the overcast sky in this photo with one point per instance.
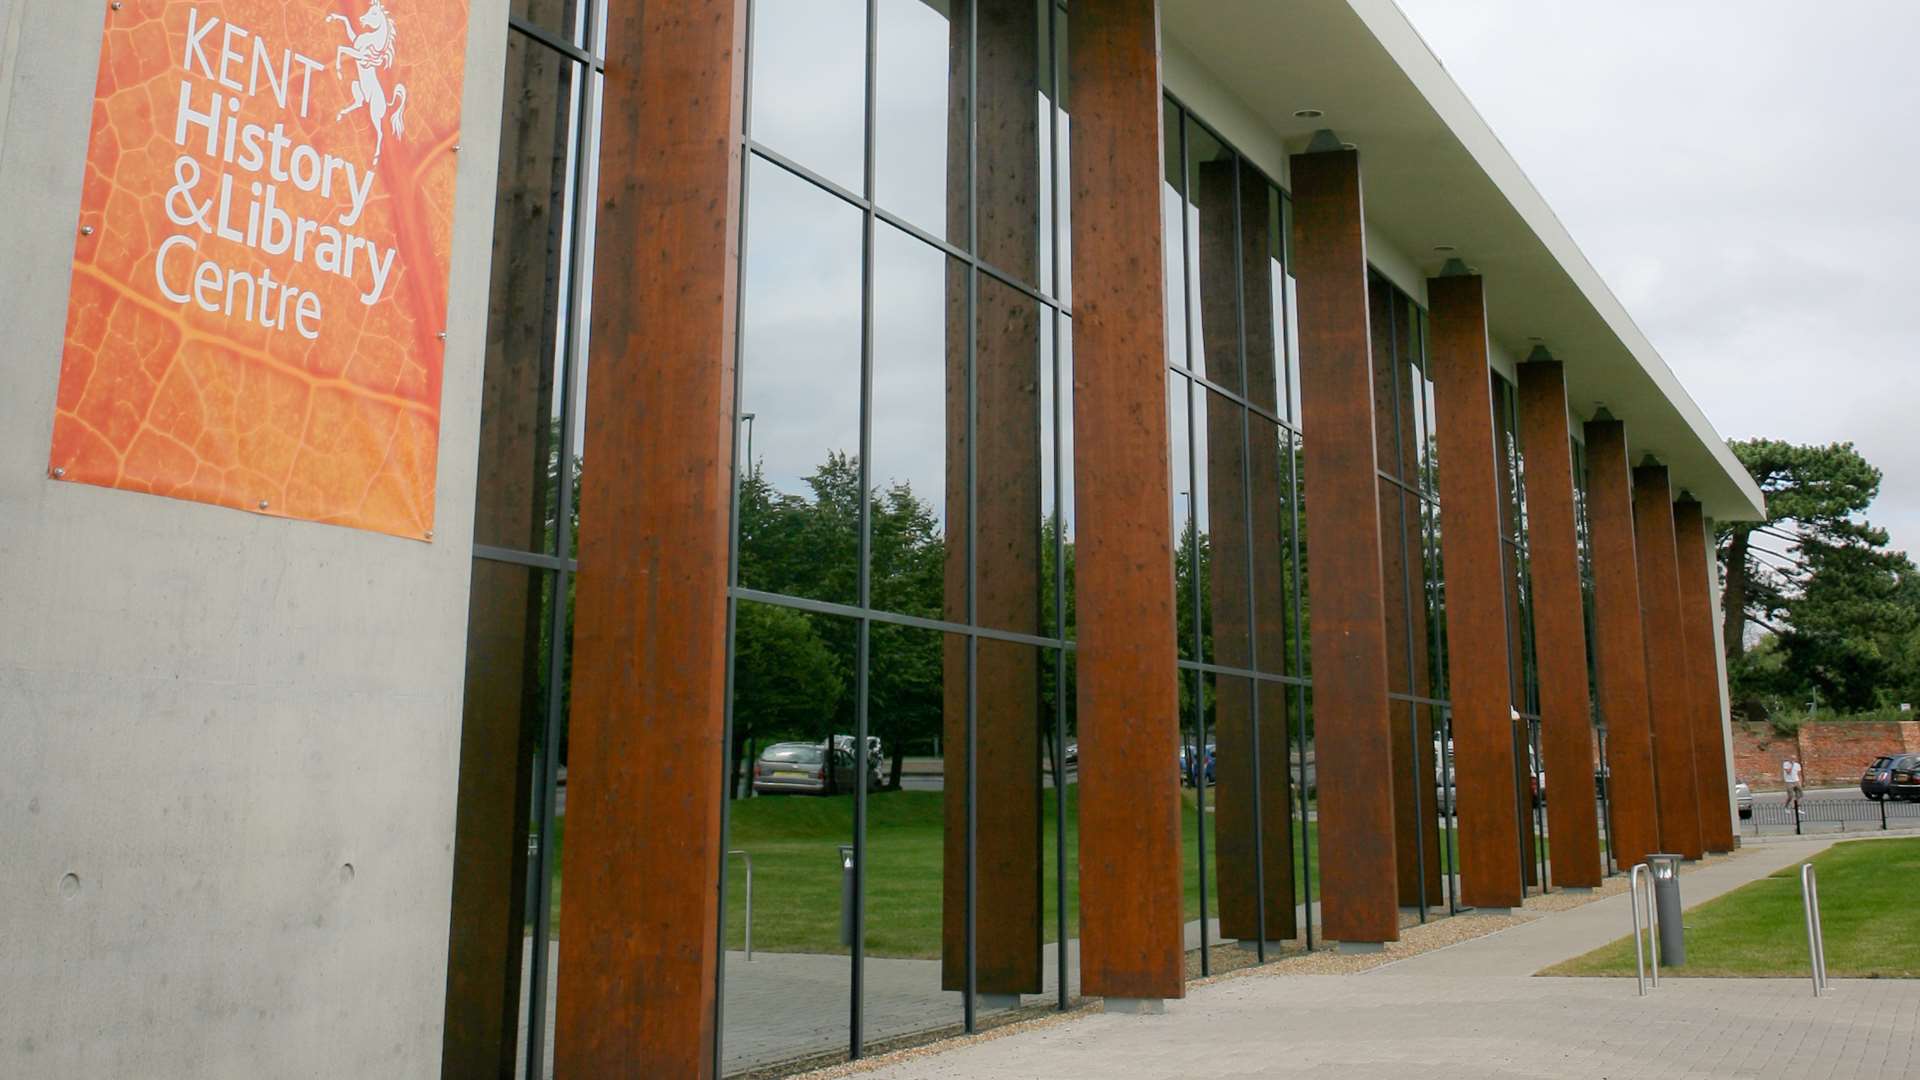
(1744, 175)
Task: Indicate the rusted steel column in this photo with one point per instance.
(1352, 729)
(1559, 626)
(1484, 760)
(639, 929)
(1003, 532)
(1131, 924)
(1619, 645)
(1700, 638)
(1669, 691)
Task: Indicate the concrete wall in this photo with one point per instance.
(228, 743)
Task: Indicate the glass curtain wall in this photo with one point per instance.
(1245, 756)
(1522, 673)
(1583, 540)
(1410, 571)
(901, 757)
(512, 800)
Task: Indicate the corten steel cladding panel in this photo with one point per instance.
(1002, 533)
(1669, 694)
(1701, 638)
(1131, 924)
(1358, 882)
(1484, 759)
(639, 927)
(1559, 624)
(1618, 646)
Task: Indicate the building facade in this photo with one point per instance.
(1158, 469)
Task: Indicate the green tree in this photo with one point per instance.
(1813, 494)
(786, 681)
(1841, 611)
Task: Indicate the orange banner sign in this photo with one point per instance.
(259, 287)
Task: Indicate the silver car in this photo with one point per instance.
(803, 769)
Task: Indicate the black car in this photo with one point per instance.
(1903, 778)
(1873, 782)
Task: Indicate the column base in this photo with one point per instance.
(995, 1002)
(1359, 947)
(1492, 911)
(1136, 1006)
(1254, 946)
(1577, 890)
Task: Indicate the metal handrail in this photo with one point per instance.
(749, 860)
(1816, 940)
(1652, 944)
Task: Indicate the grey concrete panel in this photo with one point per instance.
(207, 717)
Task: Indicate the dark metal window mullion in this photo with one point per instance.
(557, 43)
(1297, 573)
(866, 205)
(1401, 497)
(739, 270)
(863, 645)
(557, 606)
(1193, 525)
(1060, 467)
(1247, 494)
(971, 980)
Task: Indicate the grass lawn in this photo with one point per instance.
(794, 841)
(1869, 919)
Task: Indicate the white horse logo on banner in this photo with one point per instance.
(372, 52)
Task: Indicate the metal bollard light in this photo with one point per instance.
(1666, 892)
(848, 890)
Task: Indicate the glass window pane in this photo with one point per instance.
(1007, 437)
(1009, 131)
(1251, 814)
(916, 833)
(1010, 722)
(1222, 502)
(1060, 824)
(919, 442)
(1270, 555)
(1173, 244)
(560, 17)
(920, 128)
(495, 852)
(1185, 539)
(794, 773)
(1213, 309)
(800, 390)
(809, 64)
(1065, 382)
(519, 427)
(1063, 158)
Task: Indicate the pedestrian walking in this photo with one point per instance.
(1790, 773)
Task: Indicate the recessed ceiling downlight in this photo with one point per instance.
(1308, 114)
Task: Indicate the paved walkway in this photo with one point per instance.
(1503, 1026)
(1529, 947)
(1475, 1010)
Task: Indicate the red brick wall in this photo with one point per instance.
(1831, 754)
